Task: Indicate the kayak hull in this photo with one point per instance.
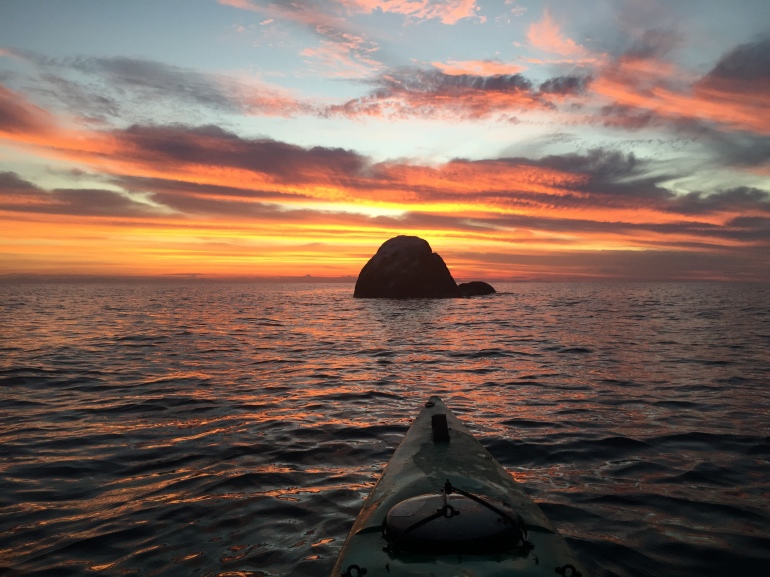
(422, 465)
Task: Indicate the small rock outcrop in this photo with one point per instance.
(406, 267)
(475, 288)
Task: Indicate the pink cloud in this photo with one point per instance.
(655, 90)
(257, 99)
(342, 52)
(347, 55)
(434, 94)
(547, 36)
(322, 22)
(478, 67)
(447, 11)
(242, 4)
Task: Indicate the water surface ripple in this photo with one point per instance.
(234, 429)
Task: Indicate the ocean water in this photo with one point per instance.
(235, 429)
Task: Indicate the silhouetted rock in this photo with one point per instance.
(406, 267)
(475, 288)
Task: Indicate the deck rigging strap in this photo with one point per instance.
(517, 521)
(449, 511)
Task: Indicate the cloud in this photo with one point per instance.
(737, 149)
(103, 90)
(18, 116)
(192, 199)
(740, 199)
(347, 56)
(453, 91)
(754, 229)
(628, 117)
(432, 93)
(221, 161)
(89, 106)
(598, 163)
(748, 62)
(342, 52)
(737, 90)
(547, 36)
(565, 85)
(169, 146)
(20, 196)
(171, 187)
(209, 162)
(149, 81)
(242, 4)
(309, 12)
(446, 11)
(478, 68)
(645, 91)
(600, 198)
(156, 80)
(12, 182)
(318, 16)
(605, 189)
(653, 44)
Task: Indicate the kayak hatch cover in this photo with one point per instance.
(444, 507)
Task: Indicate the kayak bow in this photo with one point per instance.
(444, 507)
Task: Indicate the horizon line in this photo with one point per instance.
(339, 279)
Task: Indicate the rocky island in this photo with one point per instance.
(406, 267)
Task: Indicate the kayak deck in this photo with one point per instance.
(421, 465)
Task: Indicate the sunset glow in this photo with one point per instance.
(252, 138)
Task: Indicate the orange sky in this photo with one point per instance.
(564, 158)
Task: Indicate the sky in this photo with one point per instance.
(540, 140)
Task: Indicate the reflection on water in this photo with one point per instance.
(234, 429)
